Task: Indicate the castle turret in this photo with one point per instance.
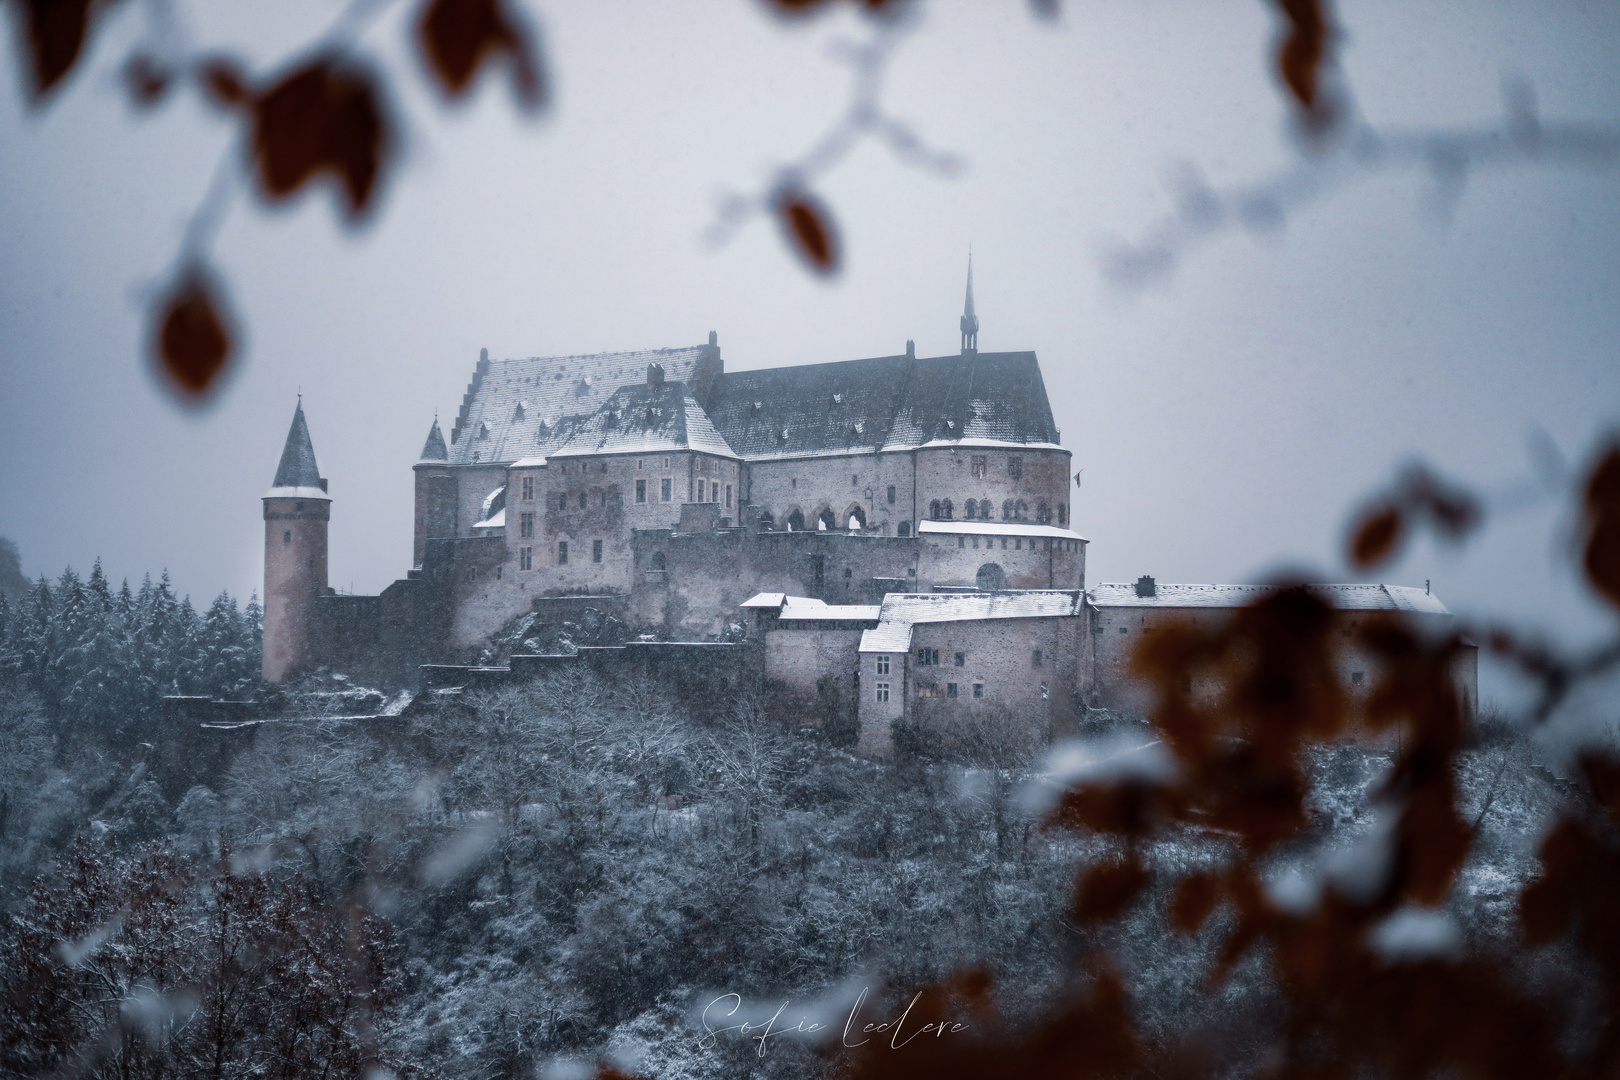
(970, 321)
(296, 511)
(435, 494)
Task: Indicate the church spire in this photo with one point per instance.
(297, 468)
(970, 321)
(435, 449)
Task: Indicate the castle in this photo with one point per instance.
(876, 518)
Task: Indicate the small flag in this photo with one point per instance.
(1077, 478)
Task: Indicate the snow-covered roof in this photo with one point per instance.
(805, 607)
(528, 463)
(297, 493)
(1340, 597)
(996, 528)
(497, 520)
(902, 611)
(642, 419)
(764, 600)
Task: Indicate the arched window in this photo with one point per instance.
(825, 520)
(766, 519)
(970, 509)
(795, 521)
(1043, 513)
(1021, 511)
(1007, 510)
(933, 509)
(986, 510)
(857, 518)
(991, 578)
(659, 562)
(1063, 514)
(947, 509)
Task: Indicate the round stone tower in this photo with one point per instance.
(296, 511)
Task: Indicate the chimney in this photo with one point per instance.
(1146, 587)
(655, 376)
(911, 349)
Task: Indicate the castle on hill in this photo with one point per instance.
(814, 523)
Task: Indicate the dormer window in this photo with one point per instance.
(483, 430)
(517, 413)
(542, 431)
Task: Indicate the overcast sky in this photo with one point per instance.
(1228, 415)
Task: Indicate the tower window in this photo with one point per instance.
(891, 494)
(1035, 658)
(883, 665)
(728, 496)
(666, 489)
(286, 537)
(1015, 467)
(562, 553)
(981, 467)
(882, 692)
(582, 500)
(641, 491)
(526, 558)
(978, 689)
(950, 689)
(526, 524)
(596, 551)
(961, 659)
(528, 488)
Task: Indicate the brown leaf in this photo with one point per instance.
(1602, 506)
(323, 117)
(56, 34)
(1195, 899)
(224, 82)
(193, 340)
(1106, 890)
(809, 229)
(1602, 772)
(1300, 57)
(147, 80)
(1377, 537)
(458, 36)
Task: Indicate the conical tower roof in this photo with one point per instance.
(435, 449)
(297, 476)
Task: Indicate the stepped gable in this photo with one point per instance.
(646, 419)
(508, 400)
(883, 403)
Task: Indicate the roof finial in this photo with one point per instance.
(970, 321)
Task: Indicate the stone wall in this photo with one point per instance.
(1026, 562)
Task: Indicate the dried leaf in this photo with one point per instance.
(809, 229)
(224, 82)
(1106, 890)
(1377, 537)
(56, 32)
(323, 117)
(1304, 48)
(147, 80)
(1602, 506)
(193, 340)
(458, 36)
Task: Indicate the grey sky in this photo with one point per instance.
(1227, 418)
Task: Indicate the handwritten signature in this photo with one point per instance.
(763, 1033)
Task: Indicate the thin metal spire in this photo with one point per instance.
(970, 320)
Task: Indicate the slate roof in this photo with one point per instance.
(645, 419)
(997, 528)
(809, 608)
(1340, 597)
(509, 400)
(883, 403)
(435, 449)
(902, 611)
(297, 475)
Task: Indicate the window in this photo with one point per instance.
(1015, 468)
(961, 541)
(562, 553)
(1035, 658)
(286, 537)
(970, 509)
(666, 489)
(700, 497)
(526, 558)
(666, 463)
(728, 496)
(582, 500)
(1043, 513)
(947, 509)
(883, 665)
(905, 528)
(1124, 629)
(928, 657)
(891, 494)
(659, 562)
(1063, 514)
(981, 467)
(927, 689)
(933, 509)
(641, 491)
(526, 524)
(1007, 510)
(882, 691)
(978, 689)
(950, 689)
(638, 464)
(528, 488)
